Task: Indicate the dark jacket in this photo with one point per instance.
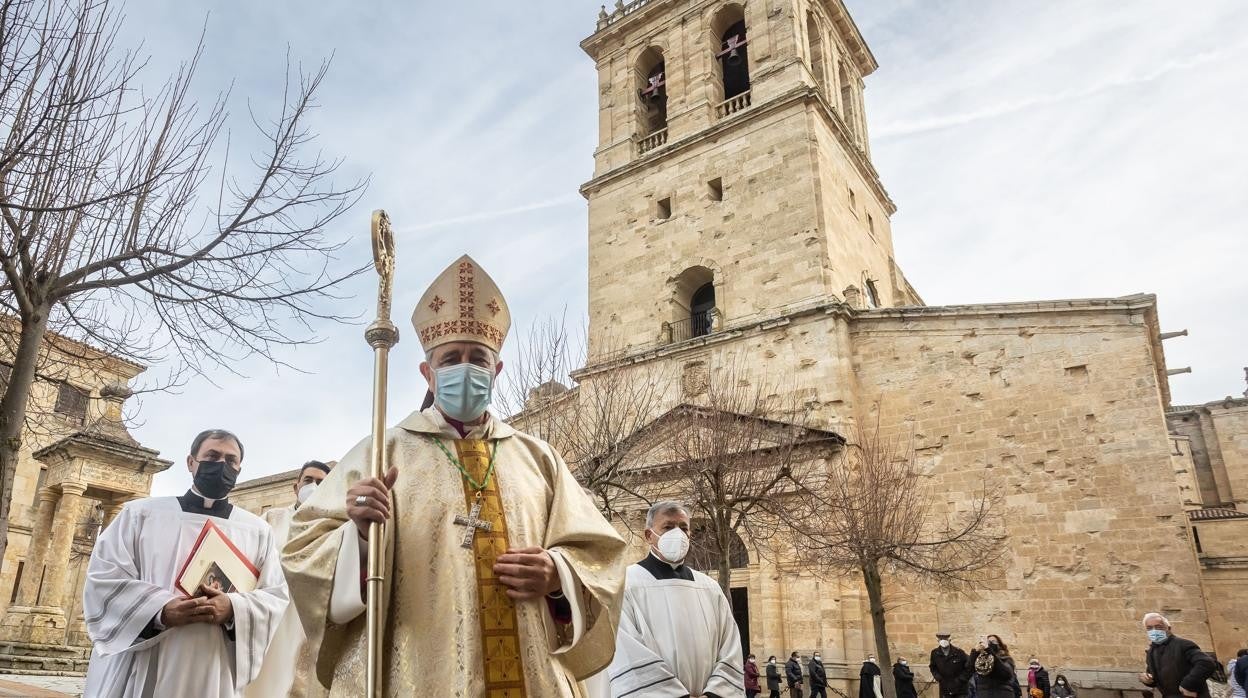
(866, 680)
(818, 675)
(951, 670)
(773, 677)
(751, 675)
(793, 671)
(1179, 663)
(1067, 691)
(1001, 682)
(904, 679)
(1042, 681)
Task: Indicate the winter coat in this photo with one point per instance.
(751, 676)
(1179, 663)
(952, 670)
(904, 679)
(1066, 691)
(793, 672)
(866, 680)
(773, 677)
(1042, 681)
(818, 675)
(1001, 682)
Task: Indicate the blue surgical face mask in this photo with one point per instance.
(463, 391)
(1157, 636)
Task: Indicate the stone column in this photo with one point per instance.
(57, 559)
(36, 552)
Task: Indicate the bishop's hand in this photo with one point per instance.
(528, 573)
(369, 500)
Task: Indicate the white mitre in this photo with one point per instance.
(462, 305)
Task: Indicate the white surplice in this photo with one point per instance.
(677, 637)
(131, 577)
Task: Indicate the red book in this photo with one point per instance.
(214, 561)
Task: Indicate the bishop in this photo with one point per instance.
(522, 597)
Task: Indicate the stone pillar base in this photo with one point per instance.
(37, 624)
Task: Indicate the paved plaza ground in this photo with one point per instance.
(14, 685)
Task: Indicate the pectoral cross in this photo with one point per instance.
(473, 523)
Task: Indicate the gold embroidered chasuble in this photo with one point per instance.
(451, 629)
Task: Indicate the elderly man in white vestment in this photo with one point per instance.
(151, 640)
(288, 670)
(677, 635)
(502, 579)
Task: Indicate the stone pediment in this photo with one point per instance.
(654, 445)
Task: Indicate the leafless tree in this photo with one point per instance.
(747, 460)
(876, 517)
(592, 422)
(112, 235)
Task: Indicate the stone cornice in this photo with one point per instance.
(804, 93)
(141, 459)
(1127, 304)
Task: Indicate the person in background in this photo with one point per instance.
(751, 677)
(676, 636)
(1062, 687)
(994, 669)
(1175, 666)
(773, 677)
(1237, 672)
(289, 666)
(950, 667)
(903, 679)
(869, 679)
(793, 674)
(818, 677)
(1037, 679)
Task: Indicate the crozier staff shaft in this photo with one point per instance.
(381, 336)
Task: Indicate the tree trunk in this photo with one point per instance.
(875, 593)
(13, 410)
(725, 573)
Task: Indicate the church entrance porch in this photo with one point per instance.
(95, 470)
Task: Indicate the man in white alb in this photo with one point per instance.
(150, 640)
(289, 668)
(677, 635)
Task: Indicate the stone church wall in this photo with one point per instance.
(1062, 411)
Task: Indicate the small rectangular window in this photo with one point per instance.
(715, 188)
(871, 224)
(663, 209)
(71, 402)
(853, 201)
(1196, 539)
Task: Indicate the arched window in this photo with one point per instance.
(693, 305)
(847, 98)
(732, 53)
(651, 91)
(814, 37)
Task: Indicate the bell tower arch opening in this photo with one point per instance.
(814, 41)
(651, 71)
(732, 52)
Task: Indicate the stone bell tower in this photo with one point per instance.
(733, 180)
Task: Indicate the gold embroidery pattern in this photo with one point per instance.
(500, 632)
(467, 293)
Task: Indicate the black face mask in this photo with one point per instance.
(215, 478)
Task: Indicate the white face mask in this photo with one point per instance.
(943, 643)
(305, 493)
(904, 662)
(673, 546)
(817, 659)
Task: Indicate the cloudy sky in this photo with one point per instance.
(1035, 150)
